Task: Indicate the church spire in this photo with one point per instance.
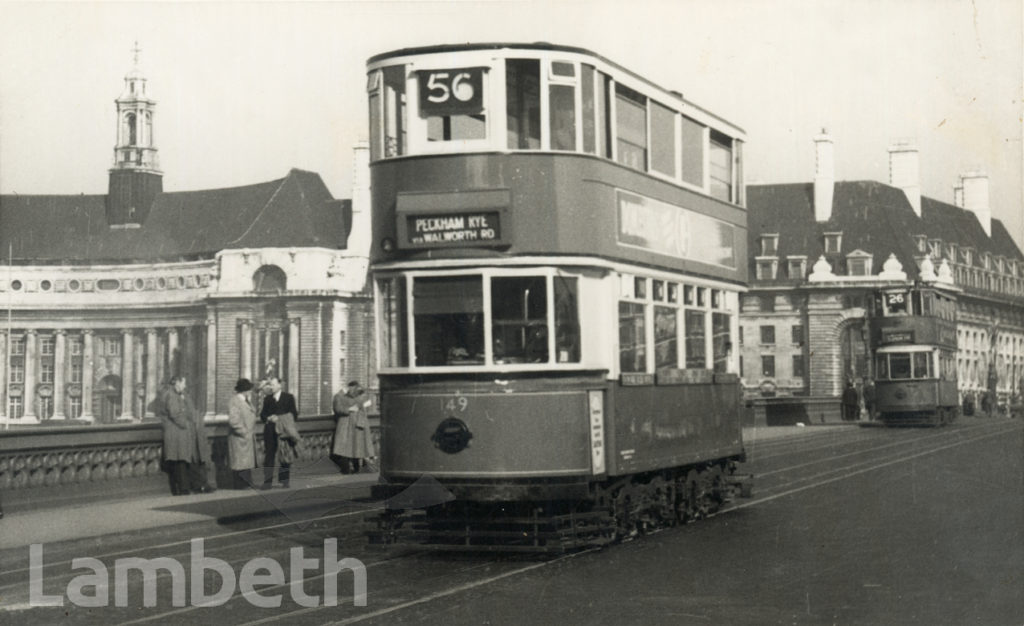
(135, 178)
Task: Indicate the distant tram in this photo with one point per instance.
(558, 250)
(913, 335)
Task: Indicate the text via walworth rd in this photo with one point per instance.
(454, 228)
(209, 581)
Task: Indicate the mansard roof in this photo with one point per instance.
(295, 211)
(872, 216)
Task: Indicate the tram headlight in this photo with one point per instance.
(387, 244)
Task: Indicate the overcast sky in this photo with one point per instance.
(246, 91)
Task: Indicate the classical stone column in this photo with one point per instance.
(245, 351)
(293, 355)
(211, 368)
(59, 367)
(138, 371)
(29, 395)
(127, 379)
(87, 376)
(173, 364)
(151, 371)
(3, 376)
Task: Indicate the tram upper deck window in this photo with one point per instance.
(395, 120)
(663, 140)
(522, 103)
(721, 166)
(562, 105)
(692, 141)
(448, 315)
(631, 127)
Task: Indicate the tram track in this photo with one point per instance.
(441, 580)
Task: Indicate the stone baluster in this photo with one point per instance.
(245, 350)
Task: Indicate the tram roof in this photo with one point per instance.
(540, 46)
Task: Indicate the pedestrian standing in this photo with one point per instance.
(869, 399)
(181, 443)
(242, 437)
(352, 438)
(277, 402)
(850, 402)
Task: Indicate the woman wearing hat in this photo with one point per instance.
(242, 438)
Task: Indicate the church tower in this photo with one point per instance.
(135, 179)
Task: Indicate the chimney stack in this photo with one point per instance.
(824, 176)
(958, 195)
(975, 198)
(905, 172)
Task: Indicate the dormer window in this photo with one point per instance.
(858, 263)
(796, 266)
(922, 243)
(935, 248)
(767, 267)
(833, 243)
(987, 261)
(769, 245)
(951, 252)
(966, 256)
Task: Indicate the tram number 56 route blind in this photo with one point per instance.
(451, 92)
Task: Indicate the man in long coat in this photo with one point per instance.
(185, 443)
(276, 402)
(352, 438)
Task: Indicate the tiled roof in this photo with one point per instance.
(873, 217)
(297, 210)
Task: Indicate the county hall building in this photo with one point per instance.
(108, 296)
(818, 250)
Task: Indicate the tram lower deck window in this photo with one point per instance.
(448, 313)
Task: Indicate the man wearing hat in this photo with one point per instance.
(277, 402)
(352, 437)
(242, 437)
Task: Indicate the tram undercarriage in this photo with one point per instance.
(617, 509)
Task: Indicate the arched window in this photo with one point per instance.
(130, 122)
(149, 128)
(269, 279)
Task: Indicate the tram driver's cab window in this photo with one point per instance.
(519, 319)
(448, 313)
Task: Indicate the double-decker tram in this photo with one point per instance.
(558, 249)
(913, 336)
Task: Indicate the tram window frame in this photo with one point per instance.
(395, 111)
(721, 168)
(693, 141)
(632, 141)
(695, 332)
(666, 337)
(721, 341)
(588, 107)
(373, 80)
(558, 324)
(663, 148)
(521, 107)
(562, 104)
(632, 323)
(531, 326)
